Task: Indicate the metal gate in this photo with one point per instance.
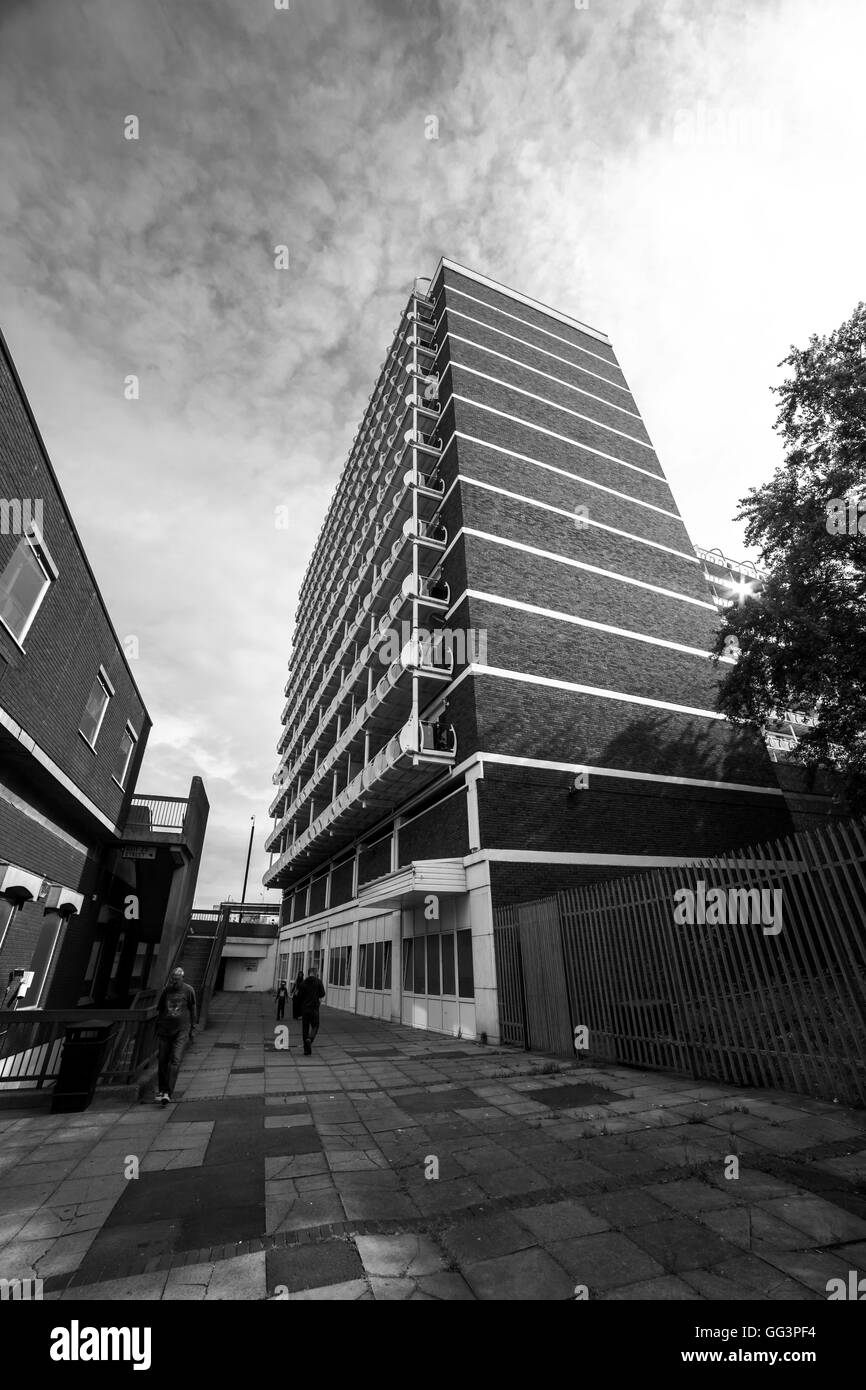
(533, 995)
(548, 1018)
(509, 978)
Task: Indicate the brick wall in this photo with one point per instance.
(499, 469)
(317, 893)
(562, 726)
(375, 860)
(523, 883)
(509, 573)
(45, 688)
(530, 808)
(440, 833)
(341, 883)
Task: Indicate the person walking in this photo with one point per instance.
(175, 1026)
(296, 995)
(312, 992)
(282, 996)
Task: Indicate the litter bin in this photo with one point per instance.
(84, 1046)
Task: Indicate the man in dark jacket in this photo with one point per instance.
(312, 991)
(175, 1023)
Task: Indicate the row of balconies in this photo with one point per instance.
(389, 585)
(418, 355)
(393, 691)
(428, 487)
(420, 441)
(418, 312)
(414, 756)
(435, 596)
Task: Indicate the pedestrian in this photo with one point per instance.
(282, 996)
(175, 1026)
(312, 992)
(296, 995)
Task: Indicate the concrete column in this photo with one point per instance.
(395, 844)
(483, 955)
(474, 775)
(397, 966)
(356, 954)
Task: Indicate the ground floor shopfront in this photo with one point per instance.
(415, 946)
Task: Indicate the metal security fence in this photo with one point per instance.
(509, 976)
(747, 968)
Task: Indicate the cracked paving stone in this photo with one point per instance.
(400, 1256)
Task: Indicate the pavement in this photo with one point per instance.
(399, 1164)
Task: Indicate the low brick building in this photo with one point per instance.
(96, 883)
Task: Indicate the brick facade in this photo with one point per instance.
(62, 809)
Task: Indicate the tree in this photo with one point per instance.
(802, 640)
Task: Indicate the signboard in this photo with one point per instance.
(139, 852)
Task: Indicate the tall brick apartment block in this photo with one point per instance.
(561, 728)
(95, 881)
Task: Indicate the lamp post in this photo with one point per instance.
(249, 853)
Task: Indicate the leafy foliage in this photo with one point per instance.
(803, 639)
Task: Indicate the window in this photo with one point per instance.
(465, 978)
(297, 964)
(97, 704)
(124, 755)
(386, 967)
(340, 966)
(433, 964)
(408, 951)
(419, 980)
(374, 965)
(449, 984)
(24, 583)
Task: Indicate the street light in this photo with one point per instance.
(249, 853)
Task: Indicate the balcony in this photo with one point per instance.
(412, 758)
(172, 821)
(389, 703)
(431, 535)
(388, 586)
(378, 451)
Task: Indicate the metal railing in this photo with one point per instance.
(31, 1044)
(156, 813)
(775, 1000)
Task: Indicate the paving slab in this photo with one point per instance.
(560, 1220)
(550, 1175)
(485, 1237)
(526, 1275)
(604, 1261)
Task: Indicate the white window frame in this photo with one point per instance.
(34, 538)
(121, 782)
(102, 677)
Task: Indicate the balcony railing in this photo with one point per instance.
(412, 757)
(165, 814)
(381, 436)
(429, 533)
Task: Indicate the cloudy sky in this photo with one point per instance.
(684, 174)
